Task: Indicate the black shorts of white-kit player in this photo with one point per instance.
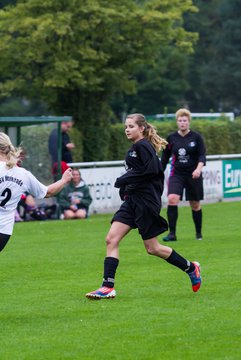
(3, 240)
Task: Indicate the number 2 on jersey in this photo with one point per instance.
(6, 194)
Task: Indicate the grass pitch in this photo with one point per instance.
(47, 268)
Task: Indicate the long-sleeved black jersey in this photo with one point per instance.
(186, 152)
(144, 175)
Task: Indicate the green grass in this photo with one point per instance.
(47, 268)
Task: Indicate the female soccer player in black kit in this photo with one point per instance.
(187, 149)
(141, 189)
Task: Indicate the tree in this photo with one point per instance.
(160, 87)
(223, 71)
(74, 55)
(21, 107)
(7, 2)
(215, 72)
(206, 23)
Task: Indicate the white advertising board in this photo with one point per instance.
(106, 197)
(101, 183)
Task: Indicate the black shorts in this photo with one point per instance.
(193, 187)
(3, 240)
(137, 215)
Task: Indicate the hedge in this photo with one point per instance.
(220, 136)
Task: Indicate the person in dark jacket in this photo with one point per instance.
(67, 145)
(75, 198)
(141, 189)
(187, 149)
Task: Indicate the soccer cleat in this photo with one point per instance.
(170, 237)
(102, 293)
(195, 277)
(199, 236)
(37, 214)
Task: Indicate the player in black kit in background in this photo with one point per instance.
(187, 149)
(141, 189)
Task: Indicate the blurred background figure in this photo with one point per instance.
(27, 208)
(75, 198)
(67, 146)
(63, 165)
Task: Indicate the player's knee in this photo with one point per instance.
(195, 205)
(111, 240)
(108, 239)
(150, 250)
(173, 199)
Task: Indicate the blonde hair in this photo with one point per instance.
(149, 132)
(183, 112)
(6, 148)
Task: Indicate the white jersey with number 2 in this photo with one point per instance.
(13, 183)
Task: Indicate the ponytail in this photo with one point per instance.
(150, 132)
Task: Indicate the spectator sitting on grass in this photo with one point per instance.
(75, 198)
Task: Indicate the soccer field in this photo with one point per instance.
(47, 268)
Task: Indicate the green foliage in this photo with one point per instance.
(216, 134)
(220, 136)
(95, 128)
(235, 135)
(22, 107)
(118, 144)
(34, 140)
(75, 55)
(71, 45)
(161, 84)
(130, 56)
(47, 268)
(7, 2)
(77, 138)
(226, 74)
(215, 73)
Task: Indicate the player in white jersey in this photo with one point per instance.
(14, 181)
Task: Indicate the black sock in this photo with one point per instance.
(178, 261)
(197, 218)
(110, 266)
(172, 215)
(3, 240)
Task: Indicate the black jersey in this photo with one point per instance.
(144, 176)
(186, 152)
